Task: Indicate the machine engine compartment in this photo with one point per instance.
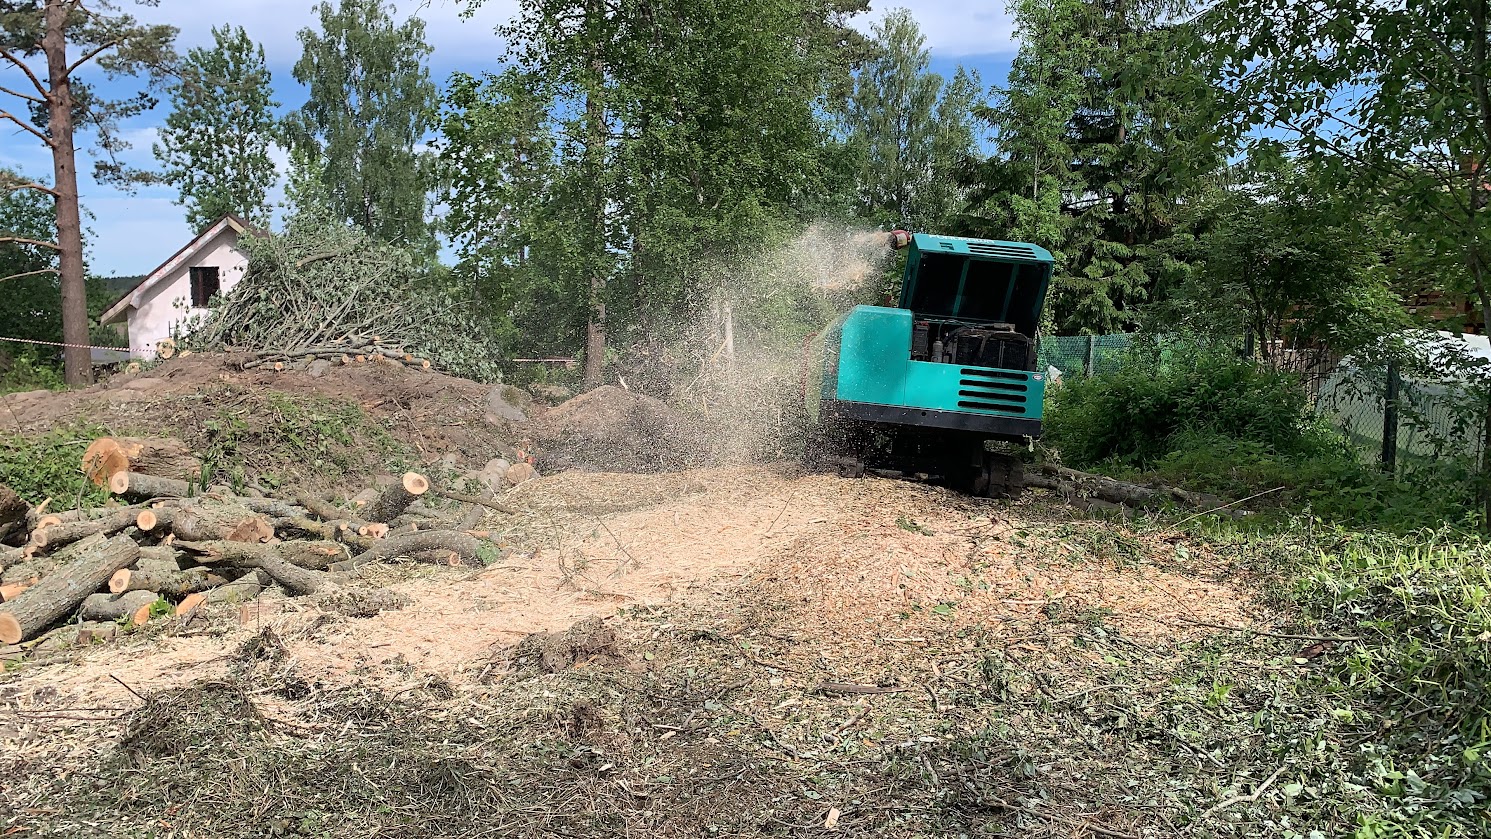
(997, 345)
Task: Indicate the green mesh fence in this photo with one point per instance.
(1077, 355)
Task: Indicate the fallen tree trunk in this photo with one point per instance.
(392, 501)
(463, 545)
(165, 457)
(241, 590)
(84, 568)
(138, 487)
(1079, 487)
(134, 605)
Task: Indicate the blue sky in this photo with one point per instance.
(132, 233)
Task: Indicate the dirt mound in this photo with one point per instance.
(614, 430)
(334, 428)
(589, 641)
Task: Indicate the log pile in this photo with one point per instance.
(164, 547)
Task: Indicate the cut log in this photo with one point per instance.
(392, 501)
(83, 568)
(241, 590)
(10, 591)
(293, 578)
(464, 546)
(220, 522)
(29, 572)
(162, 555)
(189, 604)
(359, 602)
(174, 583)
(139, 487)
(112, 607)
(163, 457)
(14, 515)
(483, 500)
(54, 537)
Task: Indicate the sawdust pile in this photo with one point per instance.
(615, 430)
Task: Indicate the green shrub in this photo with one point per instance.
(1133, 416)
(28, 371)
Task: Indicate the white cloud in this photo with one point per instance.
(275, 24)
(955, 27)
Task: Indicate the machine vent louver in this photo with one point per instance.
(992, 390)
(1006, 251)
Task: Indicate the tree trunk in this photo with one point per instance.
(227, 522)
(595, 150)
(464, 545)
(167, 581)
(87, 567)
(138, 487)
(76, 362)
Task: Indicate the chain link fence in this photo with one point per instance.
(1081, 355)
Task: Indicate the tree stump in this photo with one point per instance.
(163, 457)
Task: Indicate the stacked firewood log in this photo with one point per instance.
(165, 546)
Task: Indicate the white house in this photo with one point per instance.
(180, 288)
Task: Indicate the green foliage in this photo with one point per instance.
(45, 466)
(322, 280)
(27, 371)
(1284, 257)
(907, 140)
(31, 306)
(1109, 121)
(215, 142)
(371, 104)
(294, 440)
(1134, 416)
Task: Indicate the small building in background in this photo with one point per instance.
(155, 309)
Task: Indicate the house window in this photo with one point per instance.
(204, 285)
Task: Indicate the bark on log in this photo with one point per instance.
(483, 500)
(359, 602)
(465, 546)
(84, 567)
(112, 607)
(165, 457)
(312, 556)
(14, 515)
(1076, 486)
(163, 555)
(51, 538)
(29, 572)
(140, 487)
(241, 590)
(266, 558)
(220, 522)
(170, 582)
(392, 501)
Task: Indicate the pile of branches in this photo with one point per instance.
(322, 286)
(164, 548)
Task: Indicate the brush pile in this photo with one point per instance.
(323, 290)
(351, 349)
(164, 546)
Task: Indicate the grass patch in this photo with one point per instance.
(48, 465)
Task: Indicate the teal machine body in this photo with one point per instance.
(929, 382)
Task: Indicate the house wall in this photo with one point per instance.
(168, 303)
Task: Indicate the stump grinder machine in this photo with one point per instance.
(942, 387)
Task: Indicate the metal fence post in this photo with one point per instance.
(1088, 361)
(1390, 420)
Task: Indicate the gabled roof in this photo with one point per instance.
(132, 297)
